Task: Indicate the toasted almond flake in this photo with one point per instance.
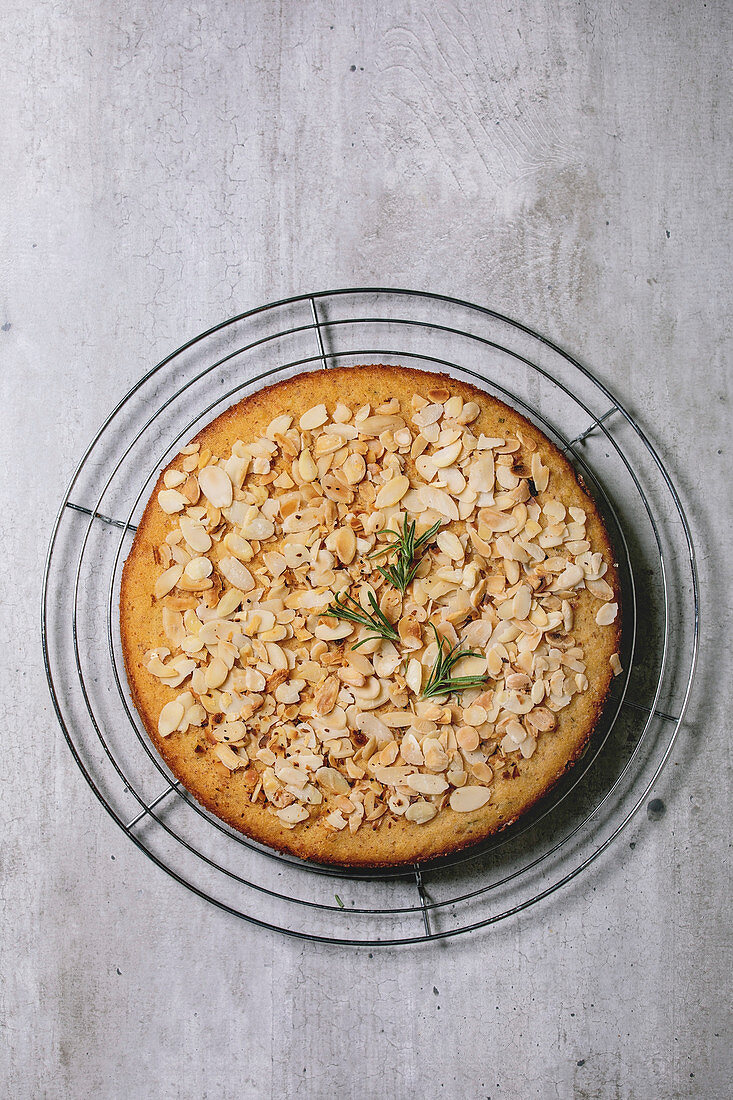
(540, 473)
(475, 715)
(392, 492)
(336, 820)
(333, 781)
(429, 414)
(333, 633)
(435, 756)
(606, 614)
(570, 577)
(446, 456)
(538, 692)
(257, 526)
(216, 486)
(439, 501)
(354, 469)
(438, 394)
(169, 717)
(171, 501)
(522, 602)
(292, 814)
(413, 676)
(307, 468)
(195, 534)
(276, 563)
(238, 546)
(345, 545)
(426, 784)
(482, 771)
(173, 478)
(216, 673)
(198, 569)
(515, 732)
(229, 731)
(228, 757)
(313, 418)
(420, 812)
(615, 663)
(167, 581)
(325, 698)
(600, 588)
(450, 544)
(465, 799)
(542, 719)
(467, 738)
(528, 746)
(278, 426)
(236, 573)
(468, 413)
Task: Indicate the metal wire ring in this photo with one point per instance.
(317, 326)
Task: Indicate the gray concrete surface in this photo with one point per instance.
(165, 165)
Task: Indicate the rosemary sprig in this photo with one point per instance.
(440, 681)
(407, 547)
(376, 620)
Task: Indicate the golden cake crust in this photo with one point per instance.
(518, 783)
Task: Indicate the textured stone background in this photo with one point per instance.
(166, 165)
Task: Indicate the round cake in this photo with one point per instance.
(370, 616)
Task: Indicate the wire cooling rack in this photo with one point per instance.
(585, 812)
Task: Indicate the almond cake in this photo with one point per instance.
(370, 615)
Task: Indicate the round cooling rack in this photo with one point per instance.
(582, 815)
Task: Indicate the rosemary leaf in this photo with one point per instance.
(406, 546)
(346, 607)
(440, 681)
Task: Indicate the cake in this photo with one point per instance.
(370, 616)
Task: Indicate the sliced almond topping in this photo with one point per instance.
(170, 500)
(540, 473)
(420, 812)
(216, 486)
(615, 664)
(169, 718)
(465, 799)
(167, 581)
(600, 588)
(306, 467)
(293, 814)
(446, 456)
(195, 534)
(197, 569)
(392, 492)
(345, 545)
(482, 771)
(607, 614)
(467, 738)
(439, 501)
(313, 418)
(326, 696)
(468, 413)
(354, 469)
(229, 758)
(426, 784)
(216, 673)
(542, 719)
(450, 544)
(236, 573)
